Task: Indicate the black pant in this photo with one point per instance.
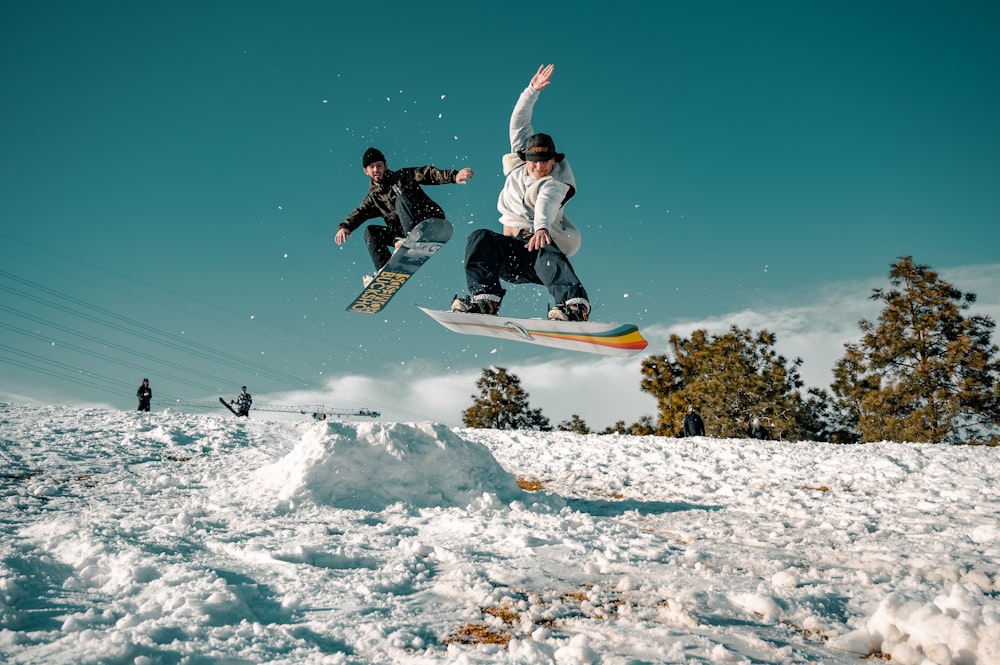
(492, 256)
(378, 239)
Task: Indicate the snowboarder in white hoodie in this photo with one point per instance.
(537, 238)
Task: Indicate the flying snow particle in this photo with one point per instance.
(253, 316)
(625, 296)
(285, 255)
(326, 101)
(443, 96)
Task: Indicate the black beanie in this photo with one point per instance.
(371, 156)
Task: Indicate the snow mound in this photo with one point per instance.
(955, 628)
(370, 466)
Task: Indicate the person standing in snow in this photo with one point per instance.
(398, 198)
(537, 238)
(757, 430)
(243, 402)
(145, 395)
(693, 424)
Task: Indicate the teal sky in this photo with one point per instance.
(172, 176)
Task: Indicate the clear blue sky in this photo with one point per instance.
(172, 175)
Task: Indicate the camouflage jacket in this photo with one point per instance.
(381, 199)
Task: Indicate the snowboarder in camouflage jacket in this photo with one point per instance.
(398, 198)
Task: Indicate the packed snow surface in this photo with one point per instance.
(171, 538)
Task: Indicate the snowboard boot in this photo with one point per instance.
(368, 279)
(574, 309)
(484, 303)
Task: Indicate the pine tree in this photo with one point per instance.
(924, 372)
(502, 404)
(825, 420)
(574, 424)
(642, 427)
(732, 378)
(618, 428)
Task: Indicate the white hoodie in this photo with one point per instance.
(529, 203)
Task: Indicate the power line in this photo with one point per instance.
(158, 287)
(97, 354)
(131, 327)
(167, 339)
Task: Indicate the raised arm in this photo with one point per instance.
(520, 119)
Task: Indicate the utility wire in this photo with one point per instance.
(134, 327)
(104, 356)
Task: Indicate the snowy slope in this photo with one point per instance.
(172, 538)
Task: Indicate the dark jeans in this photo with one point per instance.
(492, 256)
(378, 239)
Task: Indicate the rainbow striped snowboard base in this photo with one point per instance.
(609, 339)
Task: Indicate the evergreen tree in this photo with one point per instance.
(502, 404)
(642, 427)
(825, 420)
(732, 378)
(924, 371)
(618, 428)
(574, 424)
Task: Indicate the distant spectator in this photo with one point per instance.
(243, 402)
(693, 424)
(757, 430)
(145, 395)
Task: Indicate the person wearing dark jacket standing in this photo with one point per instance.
(693, 424)
(757, 430)
(398, 198)
(243, 402)
(145, 395)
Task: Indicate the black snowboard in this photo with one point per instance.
(229, 406)
(422, 242)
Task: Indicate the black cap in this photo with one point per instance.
(541, 148)
(371, 156)
(243, 388)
